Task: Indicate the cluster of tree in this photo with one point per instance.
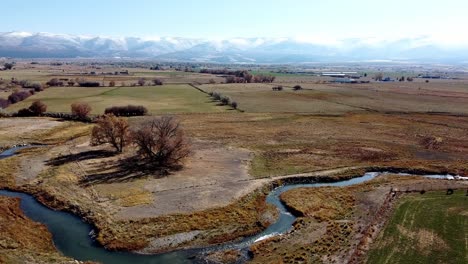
(55, 82)
(240, 76)
(246, 77)
(129, 110)
(27, 84)
(142, 82)
(37, 108)
(408, 79)
(19, 96)
(8, 65)
(160, 141)
(224, 100)
(89, 84)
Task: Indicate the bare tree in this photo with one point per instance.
(157, 81)
(111, 129)
(161, 141)
(80, 110)
(141, 81)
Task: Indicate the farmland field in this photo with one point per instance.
(450, 97)
(158, 99)
(428, 228)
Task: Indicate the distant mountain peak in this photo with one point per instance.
(232, 50)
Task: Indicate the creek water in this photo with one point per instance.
(73, 238)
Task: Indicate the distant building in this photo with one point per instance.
(353, 75)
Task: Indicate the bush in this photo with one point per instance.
(37, 87)
(216, 96)
(8, 66)
(212, 81)
(4, 103)
(54, 82)
(18, 96)
(234, 104)
(24, 112)
(111, 83)
(157, 82)
(88, 84)
(225, 100)
(297, 87)
(129, 110)
(277, 88)
(141, 81)
(111, 129)
(80, 110)
(161, 141)
(38, 108)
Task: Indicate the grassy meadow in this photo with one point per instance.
(158, 99)
(428, 228)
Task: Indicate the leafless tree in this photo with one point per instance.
(112, 130)
(161, 141)
(80, 110)
(141, 81)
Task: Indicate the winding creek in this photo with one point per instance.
(72, 237)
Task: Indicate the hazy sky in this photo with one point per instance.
(446, 20)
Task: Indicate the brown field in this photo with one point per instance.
(448, 97)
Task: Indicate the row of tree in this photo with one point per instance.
(224, 100)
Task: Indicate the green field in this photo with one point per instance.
(158, 99)
(428, 228)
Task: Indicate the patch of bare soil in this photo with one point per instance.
(214, 176)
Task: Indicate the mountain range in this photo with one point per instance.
(233, 50)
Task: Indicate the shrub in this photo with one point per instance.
(71, 83)
(80, 110)
(234, 104)
(157, 82)
(88, 84)
(161, 141)
(18, 96)
(111, 129)
(129, 110)
(431, 142)
(24, 112)
(112, 83)
(38, 108)
(297, 87)
(37, 87)
(4, 103)
(8, 66)
(141, 81)
(216, 96)
(212, 81)
(277, 88)
(225, 100)
(54, 82)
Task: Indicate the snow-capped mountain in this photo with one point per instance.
(234, 50)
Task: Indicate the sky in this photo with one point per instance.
(323, 20)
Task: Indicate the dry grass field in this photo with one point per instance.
(437, 96)
(220, 192)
